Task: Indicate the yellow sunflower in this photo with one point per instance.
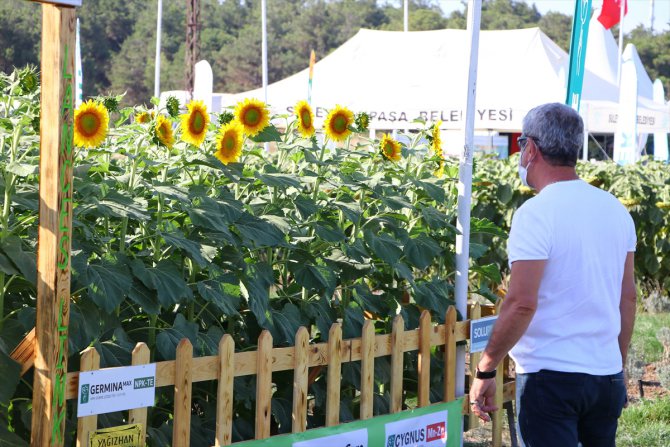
(91, 121)
(229, 142)
(337, 123)
(142, 118)
(163, 130)
(390, 148)
(305, 117)
(253, 115)
(194, 123)
(436, 145)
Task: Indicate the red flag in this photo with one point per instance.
(611, 12)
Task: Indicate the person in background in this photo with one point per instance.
(568, 316)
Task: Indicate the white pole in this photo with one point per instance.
(465, 184)
(406, 17)
(79, 71)
(264, 48)
(651, 16)
(157, 72)
(622, 9)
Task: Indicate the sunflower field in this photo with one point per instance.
(185, 226)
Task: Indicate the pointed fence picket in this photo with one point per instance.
(186, 370)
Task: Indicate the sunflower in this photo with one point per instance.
(194, 123)
(91, 121)
(436, 144)
(390, 148)
(253, 115)
(229, 142)
(163, 130)
(337, 123)
(305, 117)
(144, 117)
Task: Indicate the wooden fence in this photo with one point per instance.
(185, 370)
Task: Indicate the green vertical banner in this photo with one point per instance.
(438, 425)
(580, 34)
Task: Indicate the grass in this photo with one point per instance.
(646, 424)
(644, 334)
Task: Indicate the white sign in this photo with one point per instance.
(480, 332)
(61, 2)
(429, 430)
(116, 389)
(356, 438)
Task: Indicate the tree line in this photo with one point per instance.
(118, 38)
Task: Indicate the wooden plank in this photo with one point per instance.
(475, 314)
(224, 392)
(397, 363)
(367, 369)
(497, 416)
(334, 377)
(450, 355)
(181, 430)
(425, 328)
(462, 330)
(24, 352)
(55, 226)
(509, 391)
(90, 361)
(300, 383)
(141, 356)
(264, 385)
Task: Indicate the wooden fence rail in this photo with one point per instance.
(185, 370)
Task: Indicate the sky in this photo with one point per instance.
(639, 11)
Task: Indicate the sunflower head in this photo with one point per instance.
(28, 80)
(172, 106)
(305, 118)
(163, 131)
(229, 142)
(338, 123)
(436, 141)
(390, 148)
(91, 121)
(362, 121)
(194, 123)
(144, 117)
(253, 115)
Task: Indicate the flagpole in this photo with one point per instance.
(157, 68)
(264, 48)
(79, 71)
(622, 11)
(406, 16)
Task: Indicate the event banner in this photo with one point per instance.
(580, 34)
(480, 332)
(432, 426)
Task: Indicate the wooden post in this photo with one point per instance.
(224, 395)
(425, 328)
(264, 385)
(367, 369)
(183, 380)
(450, 355)
(475, 314)
(397, 352)
(55, 228)
(300, 380)
(141, 356)
(334, 377)
(90, 361)
(497, 416)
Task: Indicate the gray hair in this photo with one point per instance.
(558, 132)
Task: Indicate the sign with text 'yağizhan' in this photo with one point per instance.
(480, 332)
(116, 389)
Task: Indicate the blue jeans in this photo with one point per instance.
(559, 409)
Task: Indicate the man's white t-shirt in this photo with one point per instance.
(584, 233)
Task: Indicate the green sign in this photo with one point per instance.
(433, 426)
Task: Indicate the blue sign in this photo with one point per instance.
(480, 332)
(580, 34)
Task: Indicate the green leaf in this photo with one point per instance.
(396, 203)
(477, 250)
(9, 439)
(208, 343)
(168, 340)
(434, 191)
(434, 295)
(305, 206)
(434, 219)
(504, 193)
(329, 231)
(108, 281)
(489, 271)
(352, 326)
(313, 277)
(421, 251)
(11, 374)
(215, 215)
(120, 205)
(146, 298)
(267, 135)
(259, 232)
(486, 226)
(255, 288)
(172, 192)
(202, 254)
(25, 262)
(166, 279)
(285, 324)
(6, 266)
(384, 246)
(279, 180)
(351, 210)
(225, 296)
(22, 169)
(365, 298)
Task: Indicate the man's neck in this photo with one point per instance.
(555, 174)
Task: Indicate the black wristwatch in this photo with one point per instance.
(485, 374)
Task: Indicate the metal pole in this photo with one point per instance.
(406, 16)
(465, 184)
(157, 71)
(651, 16)
(264, 48)
(622, 9)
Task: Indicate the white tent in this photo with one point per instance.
(397, 77)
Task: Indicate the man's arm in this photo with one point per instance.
(515, 315)
(627, 306)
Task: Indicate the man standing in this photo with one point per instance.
(568, 316)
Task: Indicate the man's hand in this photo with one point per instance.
(482, 394)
